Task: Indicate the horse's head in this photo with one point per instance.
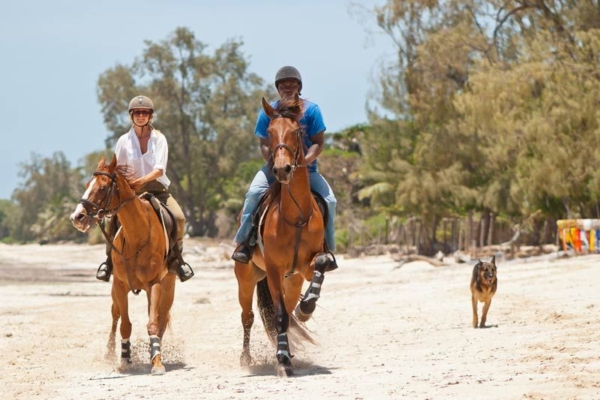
(100, 198)
(285, 137)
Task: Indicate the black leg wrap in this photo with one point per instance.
(313, 293)
(154, 347)
(126, 351)
(283, 350)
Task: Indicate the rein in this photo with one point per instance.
(298, 225)
(303, 220)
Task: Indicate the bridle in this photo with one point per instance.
(101, 209)
(294, 152)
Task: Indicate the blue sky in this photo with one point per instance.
(54, 51)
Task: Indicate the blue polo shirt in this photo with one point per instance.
(311, 122)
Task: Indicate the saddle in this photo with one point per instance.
(167, 219)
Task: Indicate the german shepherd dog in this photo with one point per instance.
(484, 283)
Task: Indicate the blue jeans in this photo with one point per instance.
(261, 183)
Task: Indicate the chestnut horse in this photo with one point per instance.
(291, 243)
(139, 252)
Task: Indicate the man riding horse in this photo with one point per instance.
(288, 82)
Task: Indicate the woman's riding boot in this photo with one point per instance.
(177, 265)
(104, 270)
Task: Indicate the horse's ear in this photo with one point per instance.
(101, 163)
(113, 162)
(269, 110)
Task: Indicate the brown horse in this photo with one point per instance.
(139, 252)
(291, 246)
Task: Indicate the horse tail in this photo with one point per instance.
(266, 308)
(297, 331)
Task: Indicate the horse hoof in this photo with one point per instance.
(284, 371)
(302, 317)
(245, 360)
(158, 370)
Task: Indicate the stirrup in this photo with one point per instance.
(185, 272)
(104, 272)
(332, 264)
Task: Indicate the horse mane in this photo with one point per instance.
(124, 170)
(272, 192)
(290, 107)
(127, 173)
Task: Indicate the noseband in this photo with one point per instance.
(101, 209)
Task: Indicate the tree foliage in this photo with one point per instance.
(490, 106)
(206, 105)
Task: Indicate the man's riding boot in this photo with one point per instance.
(242, 253)
(332, 266)
(177, 265)
(104, 270)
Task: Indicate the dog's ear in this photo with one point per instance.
(493, 259)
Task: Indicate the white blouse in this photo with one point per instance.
(129, 152)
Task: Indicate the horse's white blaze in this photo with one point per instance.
(89, 189)
(79, 209)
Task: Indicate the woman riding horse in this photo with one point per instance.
(139, 252)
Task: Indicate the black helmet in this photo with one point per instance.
(288, 72)
(141, 102)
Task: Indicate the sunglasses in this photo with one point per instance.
(142, 113)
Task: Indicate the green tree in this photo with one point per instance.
(44, 199)
(206, 107)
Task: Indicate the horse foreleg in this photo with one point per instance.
(308, 304)
(247, 278)
(119, 296)
(112, 343)
(155, 356)
(282, 322)
(166, 302)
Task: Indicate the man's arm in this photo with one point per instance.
(265, 149)
(318, 142)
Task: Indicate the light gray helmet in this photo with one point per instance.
(141, 102)
(288, 72)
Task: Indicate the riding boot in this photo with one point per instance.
(104, 270)
(243, 252)
(177, 265)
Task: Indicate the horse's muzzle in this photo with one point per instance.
(80, 219)
(284, 174)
